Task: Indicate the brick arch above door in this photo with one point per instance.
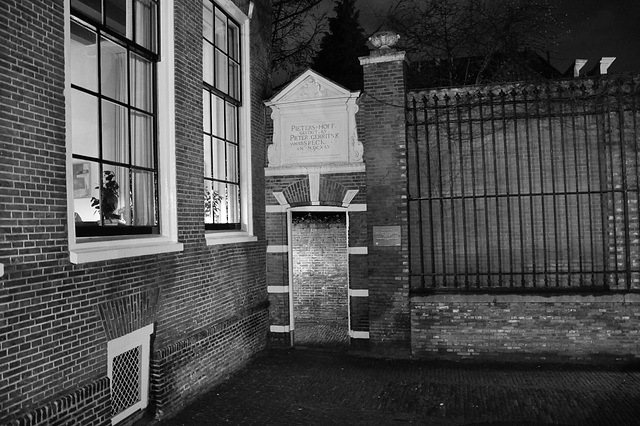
(316, 190)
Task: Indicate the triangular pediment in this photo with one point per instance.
(310, 86)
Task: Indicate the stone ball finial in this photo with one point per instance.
(384, 39)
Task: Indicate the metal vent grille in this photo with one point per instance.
(125, 385)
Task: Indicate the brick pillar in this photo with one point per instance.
(386, 178)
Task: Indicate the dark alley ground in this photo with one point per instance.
(322, 387)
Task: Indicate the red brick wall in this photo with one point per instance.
(211, 299)
(320, 268)
(385, 157)
(520, 328)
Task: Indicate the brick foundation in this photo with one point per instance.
(186, 369)
(89, 405)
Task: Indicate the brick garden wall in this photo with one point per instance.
(525, 188)
(211, 300)
(526, 328)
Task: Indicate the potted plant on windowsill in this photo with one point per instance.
(109, 198)
(211, 203)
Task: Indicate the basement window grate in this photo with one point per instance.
(125, 385)
(128, 369)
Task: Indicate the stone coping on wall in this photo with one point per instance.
(527, 298)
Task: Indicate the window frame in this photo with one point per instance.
(245, 233)
(97, 248)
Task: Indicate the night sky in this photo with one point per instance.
(595, 28)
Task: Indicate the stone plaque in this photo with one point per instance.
(314, 124)
(308, 142)
(386, 236)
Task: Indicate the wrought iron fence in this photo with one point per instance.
(525, 187)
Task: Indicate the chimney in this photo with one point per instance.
(577, 66)
(605, 63)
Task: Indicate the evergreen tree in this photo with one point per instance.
(341, 47)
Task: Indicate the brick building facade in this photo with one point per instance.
(105, 312)
(164, 291)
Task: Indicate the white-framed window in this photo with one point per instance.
(128, 370)
(226, 121)
(120, 128)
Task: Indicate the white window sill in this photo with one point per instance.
(228, 237)
(95, 251)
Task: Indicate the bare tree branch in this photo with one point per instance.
(298, 27)
(443, 31)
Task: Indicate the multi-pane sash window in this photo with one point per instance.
(113, 57)
(221, 103)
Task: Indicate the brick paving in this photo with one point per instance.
(325, 334)
(322, 387)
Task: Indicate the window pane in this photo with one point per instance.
(206, 111)
(142, 139)
(115, 132)
(85, 185)
(114, 70)
(84, 124)
(117, 12)
(232, 123)
(234, 80)
(91, 8)
(232, 163)
(234, 41)
(113, 199)
(143, 198)
(211, 202)
(233, 202)
(84, 57)
(221, 31)
(207, 157)
(221, 213)
(207, 62)
(222, 83)
(217, 116)
(141, 83)
(145, 26)
(207, 20)
(219, 159)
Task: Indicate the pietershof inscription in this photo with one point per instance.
(386, 236)
(310, 138)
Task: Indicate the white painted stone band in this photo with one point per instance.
(358, 250)
(279, 328)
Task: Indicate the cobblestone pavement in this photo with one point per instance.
(321, 387)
